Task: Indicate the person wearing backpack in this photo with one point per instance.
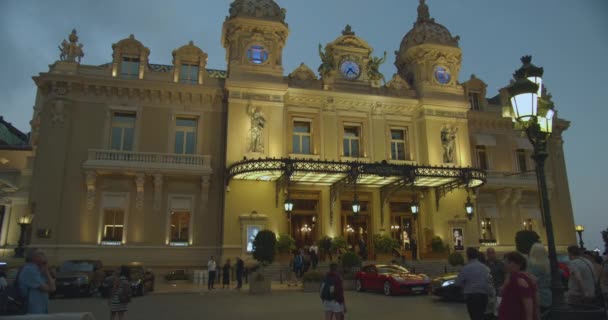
(332, 294)
(121, 294)
(34, 283)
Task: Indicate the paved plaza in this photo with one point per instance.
(284, 304)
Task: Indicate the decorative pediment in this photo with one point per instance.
(475, 83)
(397, 83)
(190, 53)
(349, 39)
(303, 72)
(130, 46)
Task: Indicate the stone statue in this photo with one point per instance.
(423, 12)
(348, 31)
(71, 51)
(373, 68)
(257, 125)
(327, 62)
(448, 139)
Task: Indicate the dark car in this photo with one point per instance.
(79, 277)
(142, 281)
(444, 287)
(391, 280)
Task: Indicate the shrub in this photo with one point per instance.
(285, 244)
(338, 243)
(264, 246)
(524, 240)
(325, 243)
(384, 243)
(437, 245)
(456, 259)
(313, 276)
(349, 261)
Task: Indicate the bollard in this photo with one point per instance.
(445, 268)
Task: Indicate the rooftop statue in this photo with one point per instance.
(327, 62)
(71, 51)
(373, 68)
(348, 31)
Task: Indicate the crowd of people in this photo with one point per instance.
(519, 287)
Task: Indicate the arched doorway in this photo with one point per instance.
(304, 226)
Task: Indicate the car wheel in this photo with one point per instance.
(359, 285)
(387, 289)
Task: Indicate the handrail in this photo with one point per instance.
(150, 157)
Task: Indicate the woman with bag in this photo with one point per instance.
(121, 294)
(519, 292)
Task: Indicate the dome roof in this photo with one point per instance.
(426, 30)
(262, 9)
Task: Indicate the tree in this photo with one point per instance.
(264, 246)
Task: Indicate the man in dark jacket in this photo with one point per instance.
(336, 307)
(240, 267)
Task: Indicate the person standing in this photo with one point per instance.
(414, 247)
(35, 282)
(474, 279)
(581, 284)
(121, 294)
(332, 294)
(539, 267)
(519, 293)
(226, 275)
(211, 266)
(314, 255)
(497, 269)
(240, 266)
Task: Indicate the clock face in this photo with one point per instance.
(442, 75)
(350, 70)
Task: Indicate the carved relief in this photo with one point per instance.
(448, 142)
(504, 195)
(398, 86)
(90, 179)
(57, 113)
(258, 121)
(158, 191)
(139, 188)
(205, 183)
(302, 76)
(71, 51)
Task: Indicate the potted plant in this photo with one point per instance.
(325, 248)
(264, 249)
(351, 263)
(338, 244)
(385, 246)
(456, 259)
(312, 281)
(285, 246)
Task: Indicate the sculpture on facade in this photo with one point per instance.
(327, 62)
(373, 68)
(257, 125)
(448, 139)
(71, 51)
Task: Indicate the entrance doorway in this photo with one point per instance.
(303, 229)
(356, 229)
(403, 226)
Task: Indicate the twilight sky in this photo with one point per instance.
(568, 38)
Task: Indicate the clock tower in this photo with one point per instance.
(429, 57)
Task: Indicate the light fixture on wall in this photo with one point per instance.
(356, 204)
(288, 205)
(415, 207)
(24, 222)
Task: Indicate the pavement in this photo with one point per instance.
(196, 302)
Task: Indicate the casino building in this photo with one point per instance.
(168, 164)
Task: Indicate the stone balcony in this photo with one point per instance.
(116, 160)
(500, 179)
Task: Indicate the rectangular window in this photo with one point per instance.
(185, 135)
(486, 229)
(521, 160)
(474, 100)
(482, 157)
(398, 143)
(123, 131)
(188, 73)
(129, 67)
(352, 140)
(528, 224)
(180, 226)
(113, 224)
(302, 137)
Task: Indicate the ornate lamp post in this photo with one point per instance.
(533, 114)
(24, 222)
(415, 208)
(580, 229)
(468, 208)
(288, 204)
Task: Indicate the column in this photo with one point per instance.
(90, 180)
(158, 191)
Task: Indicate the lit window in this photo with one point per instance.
(122, 132)
(188, 73)
(398, 139)
(352, 138)
(301, 137)
(521, 160)
(482, 157)
(129, 68)
(113, 224)
(180, 226)
(528, 224)
(474, 100)
(185, 135)
(257, 54)
(486, 229)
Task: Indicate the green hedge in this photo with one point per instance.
(264, 246)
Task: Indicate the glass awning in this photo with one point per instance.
(379, 174)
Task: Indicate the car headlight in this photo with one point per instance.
(82, 280)
(448, 283)
(136, 282)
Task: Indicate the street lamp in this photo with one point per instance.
(533, 114)
(579, 229)
(415, 208)
(468, 208)
(23, 221)
(356, 204)
(288, 205)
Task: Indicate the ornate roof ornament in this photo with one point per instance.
(423, 12)
(348, 31)
(262, 9)
(303, 72)
(71, 51)
(398, 84)
(426, 30)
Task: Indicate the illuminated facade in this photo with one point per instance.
(169, 164)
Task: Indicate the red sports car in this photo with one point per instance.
(391, 280)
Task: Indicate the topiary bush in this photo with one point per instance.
(338, 243)
(350, 260)
(456, 259)
(437, 245)
(264, 246)
(325, 247)
(285, 244)
(524, 240)
(384, 243)
(313, 276)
